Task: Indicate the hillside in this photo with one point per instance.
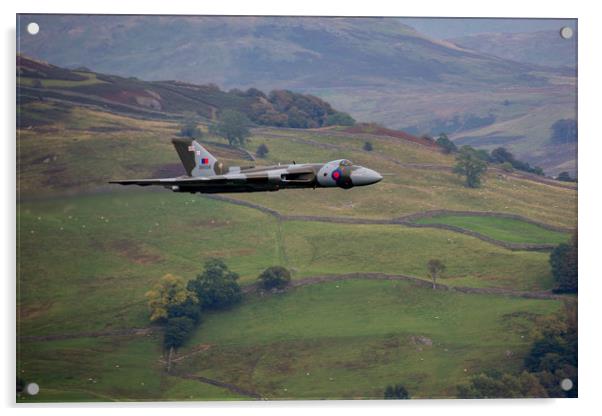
(376, 69)
(544, 48)
(361, 313)
(39, 81)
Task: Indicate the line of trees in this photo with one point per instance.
(178, 305)
(472, 163)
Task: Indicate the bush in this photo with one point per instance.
(507, 167)
(446, 145)
(262, 150)
(497, 385)
(396, 392)
(216, 287)
(565, 177)
(564, 131)
(368, 147)
(192, 130)
(275, 277)
(340, 119)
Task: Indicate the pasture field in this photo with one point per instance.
(346, 339)
(87, 252)
(85, 148)
(106, 251)
(502, 229)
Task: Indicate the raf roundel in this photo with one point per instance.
(336, 175)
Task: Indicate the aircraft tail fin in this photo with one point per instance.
(197, 160)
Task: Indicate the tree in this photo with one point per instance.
(216, 287)
(189, 309)
(275, 277)
(435, 268)
(564, 131)
(191, 129)
(563, 260)
(233, 126)
(340, 119)
(471, 166)
(565, 177)
(502, 155)
(446, 145)
(368, 147)
(262, 150)
(177, 331)
(168, 293)
(396, 392)
(553, 355)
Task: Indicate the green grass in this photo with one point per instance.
(502, 229)
(106, 250)
(345, 339)
(321, 248)
(350, 339)
(123, 147)
(85, 262)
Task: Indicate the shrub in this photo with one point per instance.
(446, 145)
(192, 130)
(262, 150)
(340, 119)
(275, 277)
(396, 392)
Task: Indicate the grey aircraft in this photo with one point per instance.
(206, 174)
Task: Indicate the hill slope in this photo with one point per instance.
(545, 48)
(377, 69)
(87, 252)
(39, 80)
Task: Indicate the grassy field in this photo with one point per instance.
(59, 156)
(502, 229)
(90, 79)
(88, 252)
(108, 249)
(319, 248)
(333, 340)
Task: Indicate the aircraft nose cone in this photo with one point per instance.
(365, 176)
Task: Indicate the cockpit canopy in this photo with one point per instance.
(341, 162)
(346, 162)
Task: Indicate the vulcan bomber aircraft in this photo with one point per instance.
(207, 174)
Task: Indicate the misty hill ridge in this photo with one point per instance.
(545, 47)
(280, 108)
(265, 51)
